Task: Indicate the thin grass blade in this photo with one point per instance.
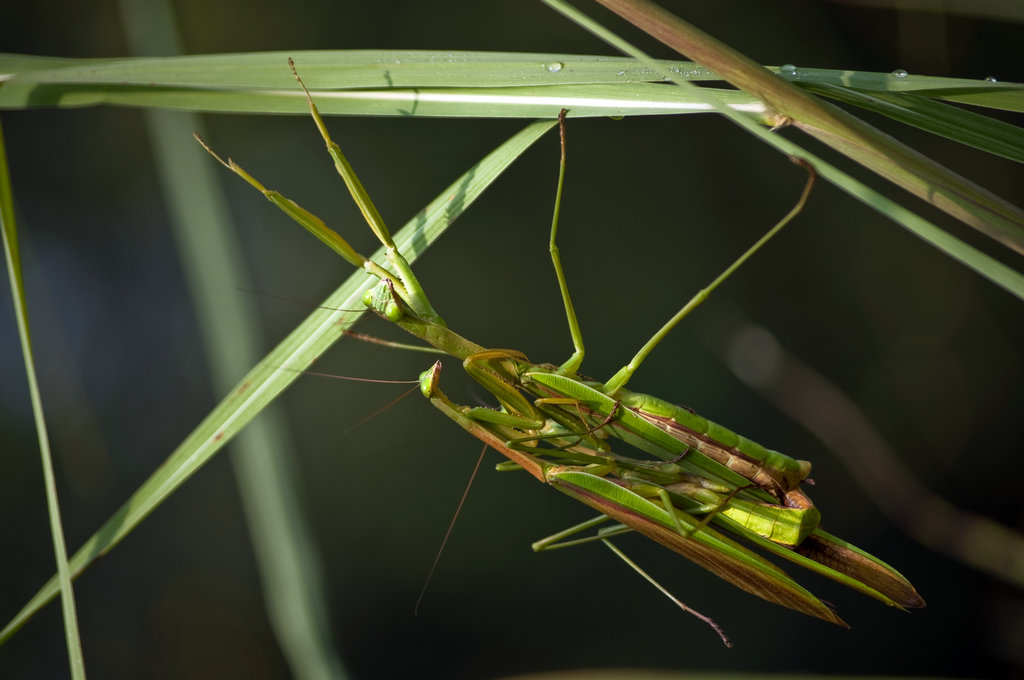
(970, 128)
(284, 364)
(988, 93)
(61, 582)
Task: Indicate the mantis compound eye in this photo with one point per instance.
(429, 378)
(392, 311)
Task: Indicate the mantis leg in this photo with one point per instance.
(620, 379)
(414, 295)
(573, 363)
(556, 541)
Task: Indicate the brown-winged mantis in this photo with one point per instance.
(556, 425)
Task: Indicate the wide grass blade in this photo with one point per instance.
(424, 83)
(340, 69)
(284, 364)
(988, 92)
(358, 82)
(403, 69)
(967, 127)
(264, 458)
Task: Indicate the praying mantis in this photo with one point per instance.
(558, 426)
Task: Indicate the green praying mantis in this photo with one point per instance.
(558, 425)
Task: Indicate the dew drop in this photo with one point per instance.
(900, 74)
(991, 79)
(787, 69)
(555, 66)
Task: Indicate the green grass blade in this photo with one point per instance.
(400, 82)
(341, 69)
(263, 460)
(62, 582)
(357, 82)
(981, 132)
(284, 364)
(371, 69)
(1004, 98)
(637, 99)
(988, 267)
(987, 93)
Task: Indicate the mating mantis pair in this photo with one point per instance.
(556, 425)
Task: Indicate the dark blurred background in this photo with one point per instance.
(654, 209)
